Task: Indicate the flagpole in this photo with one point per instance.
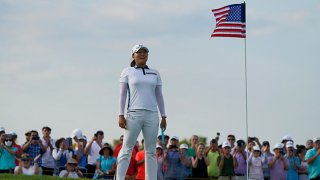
(246, 96)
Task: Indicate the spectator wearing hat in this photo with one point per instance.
(34, 147)
(160, 162)
(313, 160)
(241, 156)
(266, 153)
(79, 153)
(255, 161)
(293, 162)
(92, 150)
(140, 158)
(7, 154)
(303, 170)
(14, 140)
(72, 170)
(48, 162)
(185, 160)
(61, 154)
(200, 163)
(213, 155)
(278, 164)
(227, 163)
(106, 163)
(25, 166)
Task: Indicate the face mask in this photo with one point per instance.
(8, 143)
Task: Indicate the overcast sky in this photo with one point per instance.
(60, 63)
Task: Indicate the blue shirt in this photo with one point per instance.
(106, 164)
(174, 166)
(293, 174)
(83, 158)
(34, 150)
(7, 159)
(314, 167)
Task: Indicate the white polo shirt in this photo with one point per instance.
(141, 87)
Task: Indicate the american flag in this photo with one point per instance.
(231, 21)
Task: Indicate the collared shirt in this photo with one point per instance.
(314, 167)
(34, 150)
(277, 172)
(93, 153)
(141, 87)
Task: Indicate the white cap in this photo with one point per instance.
(226, 144)
(278, 146)
(183, 146)
(76, 133)
(289, 144)
(256, 148)
(316, 139)
(175, 137)
(159, 146)
(82, 137)
(2, 129)
(287, 138)
(13, 133)
(137, 47)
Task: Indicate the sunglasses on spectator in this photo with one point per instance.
(8, 140)
(25, 160)
(231, 139)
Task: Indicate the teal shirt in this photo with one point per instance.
(106, 164)
(313, 168)
(7, 159)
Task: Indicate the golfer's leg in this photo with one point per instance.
(130, 136)
(150, 132)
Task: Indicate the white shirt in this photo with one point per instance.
(47, 158)
(58, 153)
(255, 167)
(141, 87)
(93, 153)
(29, 171)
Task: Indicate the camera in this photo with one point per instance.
(218, 134)
(281, 152)
(66, 142)
(252, 138)
(35, 138)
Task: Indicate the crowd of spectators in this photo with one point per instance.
(80, 157)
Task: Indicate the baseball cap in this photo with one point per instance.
(13, 134)
(316, 139)
(137, 47)
(289, 144)
(76, 133)
(83, 137)
(256, 148)
(72, 161)
(278, 146)
(2, 129)
(175, 138)
(159, 146)
(226, 144)
(183, 146)
(287, 138)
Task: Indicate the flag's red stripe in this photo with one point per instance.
(221, 13)
(228, 35)
(224, 24)
(219, 8)
(230, 30)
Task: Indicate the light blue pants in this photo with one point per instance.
(148, 123)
